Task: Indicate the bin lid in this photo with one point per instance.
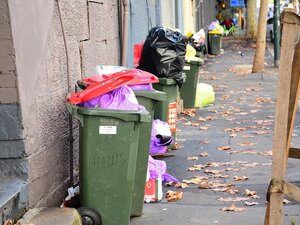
(155, 95)
(101, 84)
(125, 115)
(167, 81)
(140, 77)
(195, 61)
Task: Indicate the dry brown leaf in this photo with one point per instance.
(238, 178)
(230, 199)
(224, 148)
(251, 203)
(251, 194)
(203, 128)
(203, 154)
(248, 136)
(210, 118)
(183, 119)
(196, 180)
(202, 119)
(227, 190)
(236, 129)
(214, 172)
(267, 153)
(224, 97)
(232, 169)
(181, 185)
(261, 132)
(232, 135)
(196, 167)
(247, 144)
(176, 146)
(213, 185)
(233, 208)
(220, 176)
(173, 196)
(189, 112)
(192, 158)
(205, 142)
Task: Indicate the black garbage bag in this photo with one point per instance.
(163, 54)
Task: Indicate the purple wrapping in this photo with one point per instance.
(158, 145)
(141, 87)
(159, 168)
(122, 98)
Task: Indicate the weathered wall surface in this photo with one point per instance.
(12, 148)
(92, 39)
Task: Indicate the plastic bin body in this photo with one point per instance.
(167, 110)
(108, 154)
(189, 88)
(214, 44)
(148, 99)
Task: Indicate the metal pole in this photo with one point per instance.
(276, 28)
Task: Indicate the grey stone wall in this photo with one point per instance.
(92, 38)
(12, 150)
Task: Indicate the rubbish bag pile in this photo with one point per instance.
(197, 41)
(163, 54)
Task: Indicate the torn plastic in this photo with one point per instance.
(205, 95)
(161, 137)
(163, 54)
(122, 98)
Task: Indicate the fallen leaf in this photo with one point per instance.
(251, 203)
(212, 185)
(238, 178)
(267, 153)
(205, 142)
(247, 144)
(224, 148)
(226, 190)
(233, 208)
(230, 199)
(189, 112)
(232, 135)
(224, 97)
(196, 167)
(173, 196)
(176, 146)
(183, 119)
(232, 169)
(236, 129)
(210, 118)
(202, 119)
(251, 194)
(248, 136)
(203, 154)
(181, 185)
(192, 158)
(203, 128)
(213, 171)
(196, 180)
(220, 176)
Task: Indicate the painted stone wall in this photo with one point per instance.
(92, 33)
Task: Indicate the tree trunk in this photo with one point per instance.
(259, 58)
(251, 19)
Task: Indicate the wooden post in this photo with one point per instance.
(286, 105)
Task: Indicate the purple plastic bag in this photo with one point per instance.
(161, 137)
(141, 87)
(122, 98)
(213, 25)
(158, 168)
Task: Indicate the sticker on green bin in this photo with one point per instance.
(172, 116)
(107, 129)
(187, 68)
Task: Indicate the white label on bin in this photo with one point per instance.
(107, 129)
(187, 68)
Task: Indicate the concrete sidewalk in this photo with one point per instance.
(241, 118)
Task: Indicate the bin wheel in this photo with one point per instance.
(89, 216)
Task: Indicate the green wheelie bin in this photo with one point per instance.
(189, 88)
(167, 110)
(107, 161)
(214, 43)
(149, 99)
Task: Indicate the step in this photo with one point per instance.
(13, 198)
(51, 216)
